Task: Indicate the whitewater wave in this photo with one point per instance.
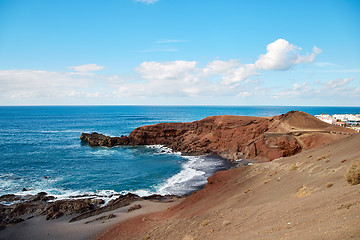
(161, 149)
(193, 175)
(61, 131)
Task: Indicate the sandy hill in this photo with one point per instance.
(304, 196)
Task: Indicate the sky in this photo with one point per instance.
(180, 52)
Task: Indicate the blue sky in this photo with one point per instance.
(180, 52)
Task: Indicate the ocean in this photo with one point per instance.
(40, 150)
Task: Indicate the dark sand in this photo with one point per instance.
(39, 228)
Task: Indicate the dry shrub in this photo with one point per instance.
(204, 223)
(304, 191)
(293, 167)
(323, 157)
(353, 173)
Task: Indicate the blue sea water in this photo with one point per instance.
(40, 149)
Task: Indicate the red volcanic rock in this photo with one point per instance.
(233, 137)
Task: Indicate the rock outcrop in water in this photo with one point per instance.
(233, 137)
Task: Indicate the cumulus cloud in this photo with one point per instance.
(281, 55)
(87, 68)
(179, 78)
(219, 67)
(239, 74)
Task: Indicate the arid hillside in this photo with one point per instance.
(305, 196)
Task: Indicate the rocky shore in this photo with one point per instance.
(42, 204)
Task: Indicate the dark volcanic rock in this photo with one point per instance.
(96, 139)
(9, 198)
(42, 196)
(135, 207)
(39, 205)
(59, 208)
(121, 201)
(161, 198)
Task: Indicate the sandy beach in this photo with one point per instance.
(39, 228)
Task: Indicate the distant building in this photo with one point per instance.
(341, 124)
(356, 128)
(344, 120)
(353, 123)
(326, 118)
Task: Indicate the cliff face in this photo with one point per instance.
(233, 137)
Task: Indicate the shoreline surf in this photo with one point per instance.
(192, 177)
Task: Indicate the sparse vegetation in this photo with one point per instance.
(353, 173)
(323, 157)
(204, 223)
(329, 185)
(304, 191)
(293, 167)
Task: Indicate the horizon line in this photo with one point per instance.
(169, 105)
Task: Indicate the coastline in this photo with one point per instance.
(39, 228)
(22, 209)
(221, 178)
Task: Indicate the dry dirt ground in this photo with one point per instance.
(304, 196)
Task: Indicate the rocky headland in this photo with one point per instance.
(233, 137)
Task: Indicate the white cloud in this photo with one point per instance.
(167, 70)
(146, 1)
(281, 55)
(244, 94)
(162, 79)
(87, 68)
(336, 83)
(191, 91)
(296, 91)
(331, 90)
(217, 78)
(35, 83)
(239, 74)
(327, 65)
(218, 67)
